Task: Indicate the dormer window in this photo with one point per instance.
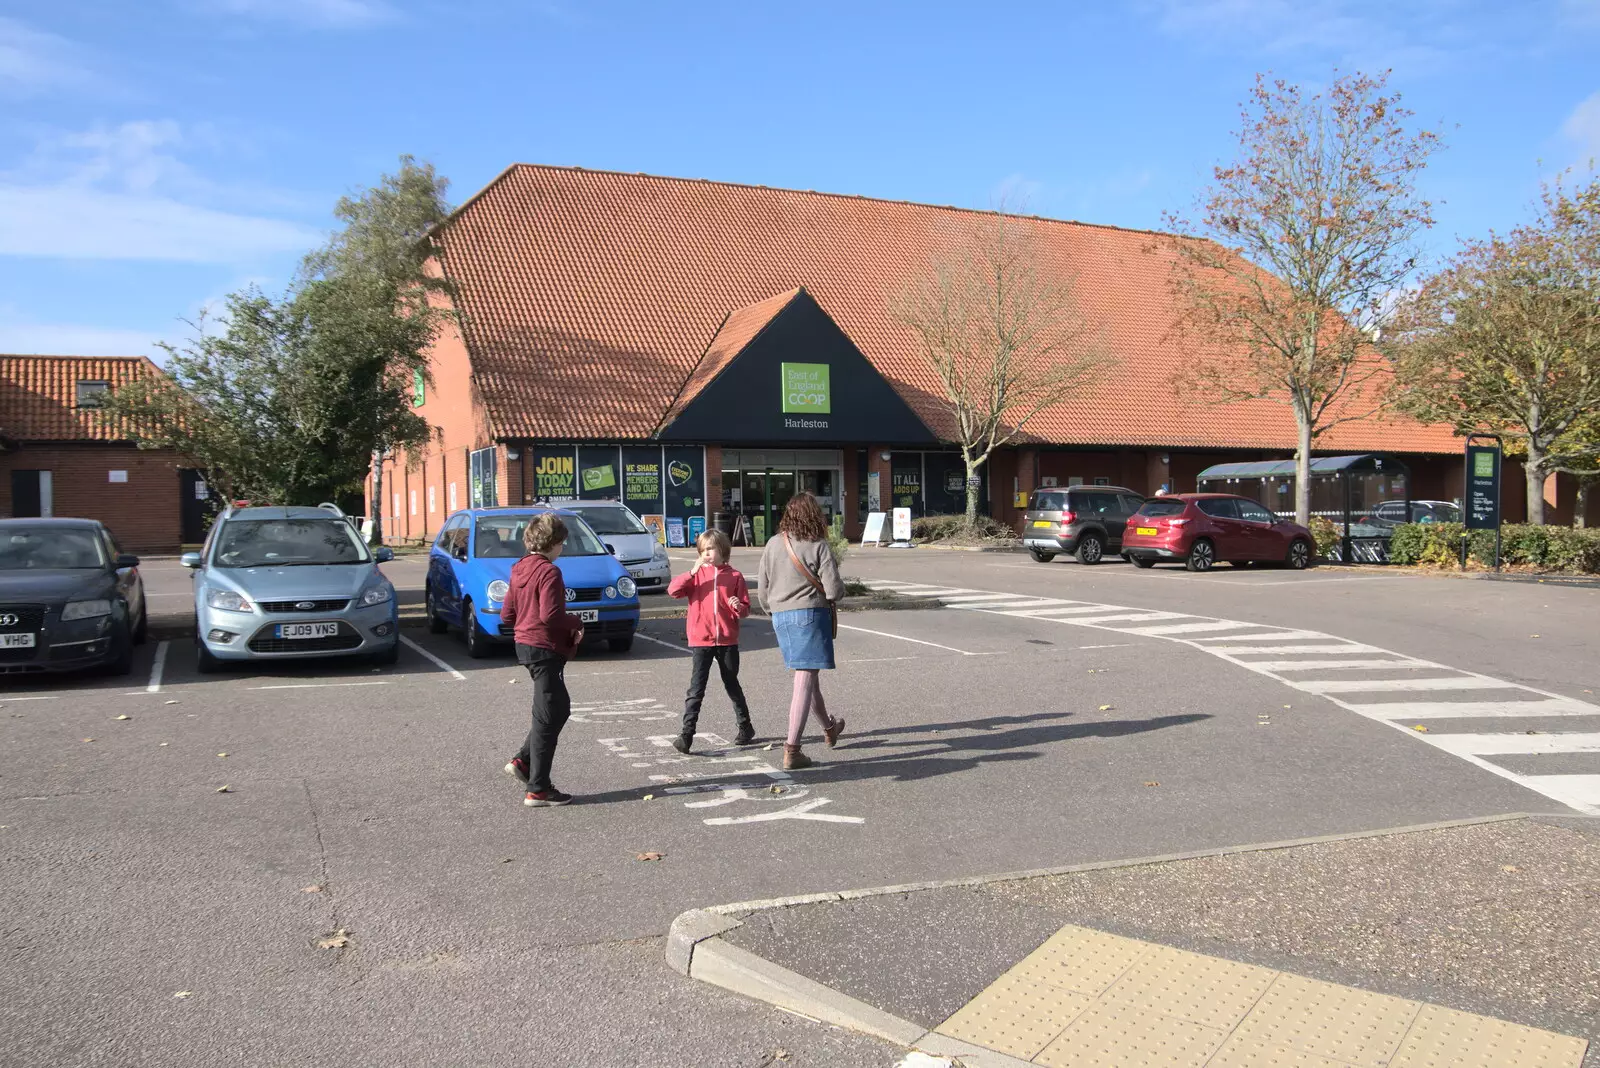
(92, 394)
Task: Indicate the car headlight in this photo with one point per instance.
(626, 586)
(658, 551)
(85, 609)
(498, 590)
(376, 595)
(228, 601)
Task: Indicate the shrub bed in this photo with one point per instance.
(956, 528)
(1521, 545)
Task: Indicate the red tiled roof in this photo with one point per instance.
(588, 298)
(39, 395)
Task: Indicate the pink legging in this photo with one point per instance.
(807, 699)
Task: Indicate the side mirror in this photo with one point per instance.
(383, 554)
(612, 549)
(127, 560)
(190, 560)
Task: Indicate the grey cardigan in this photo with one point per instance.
(784, 589)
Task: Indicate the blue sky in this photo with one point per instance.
(155, 156)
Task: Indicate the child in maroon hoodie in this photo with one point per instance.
(547, 637)
(718, 599)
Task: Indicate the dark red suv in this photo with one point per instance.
(1199, 529)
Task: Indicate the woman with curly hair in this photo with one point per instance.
(799, 585)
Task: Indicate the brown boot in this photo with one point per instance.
(832, 733)
(793, 759)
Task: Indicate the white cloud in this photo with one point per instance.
(313, 12)
(123, 193)
(33, 62)
(1583, 127)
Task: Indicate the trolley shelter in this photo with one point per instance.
(1365, 496)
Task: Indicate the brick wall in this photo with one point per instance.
(143, 512)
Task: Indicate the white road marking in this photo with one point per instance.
(879, 659)
(436, 661)
(1493, 745)
(804, 811)
(1039, 602)
(318, 685)
(902, 637)
(1279, 647)
(658, 641)
(156, 668)
(1119, 645)
(964, 598)
(41, 697)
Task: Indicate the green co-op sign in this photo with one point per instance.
(805, 389)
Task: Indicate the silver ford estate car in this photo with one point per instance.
(278, 583)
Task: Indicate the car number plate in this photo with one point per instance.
(16, 641)
(308, 630)
(589, 615)
(1043, 523)
(635, 571)
(1146, 530)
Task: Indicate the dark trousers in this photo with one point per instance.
(726, 658)
(551, 707)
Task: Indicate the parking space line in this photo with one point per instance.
(34, 697)
(156, 668)
(439, 663)
(658, 641)
(902, 637)
(318, 685)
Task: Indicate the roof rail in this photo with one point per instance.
(334, 508)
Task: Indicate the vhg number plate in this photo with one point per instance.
(17, 641)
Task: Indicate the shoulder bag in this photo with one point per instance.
(816, 584)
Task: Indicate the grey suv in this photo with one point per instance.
(1086, 521)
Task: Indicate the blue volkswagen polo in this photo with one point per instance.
(469, 573)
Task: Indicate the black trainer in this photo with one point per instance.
(546, 798)
(681, 743)
(746, 736)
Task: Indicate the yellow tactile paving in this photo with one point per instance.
(1443, 1037)
(1087, 998)
(1339, 1022)
(1112, 1035)
(1203, 990)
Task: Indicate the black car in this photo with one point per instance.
(1086, 521)
(69, 599)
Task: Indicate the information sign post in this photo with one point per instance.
(1481, 497)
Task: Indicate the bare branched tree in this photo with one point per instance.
(1004, 338)
(1300, 245)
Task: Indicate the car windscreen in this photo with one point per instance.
(288, 543)
(1048, 502)
(500, 537)
(1435, 513)
(44, 548)
(610, 520)
(1161, 506)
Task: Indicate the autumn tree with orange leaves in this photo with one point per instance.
(1300, 245)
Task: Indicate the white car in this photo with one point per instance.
(631, 542)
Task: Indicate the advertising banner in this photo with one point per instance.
(1483, 487)
(657, 526)
(675, 531)
(555, 473)
(697, 527)
(599, 475)
(685, 483)
(641, 479)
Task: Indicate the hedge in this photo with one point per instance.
(1521, 544)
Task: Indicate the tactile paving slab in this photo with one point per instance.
(1113, 1035)
(1015, 1016)
(1444, 1037)
(1339, 1022)
(1203, 990)
(1082, 960)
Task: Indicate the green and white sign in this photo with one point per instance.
(805, 389)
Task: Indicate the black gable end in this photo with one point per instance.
(802, 382)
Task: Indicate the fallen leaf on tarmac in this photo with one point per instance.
(507, 860)
(222, 754)
(780, 1054)
(511, 682)
(124, 717)
(1420, 728)
(1288, 706)
(649, 797)
(1105, 708)
(1533, 635)
(1509, 867)
(1530, 732)
(311, 889)
(649, 856)
(184, 994)
(225, 789)
(769, 745)
(776, 790)
(162, 745)
(172, 702)
(337, 940)
(1152, 782)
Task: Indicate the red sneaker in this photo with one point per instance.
(518, 767)
(546, 798)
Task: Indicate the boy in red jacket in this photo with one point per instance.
(547, 637)
(718, 599)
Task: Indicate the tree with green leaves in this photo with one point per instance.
(1282, 282)
(291, 398)
(1505, 338)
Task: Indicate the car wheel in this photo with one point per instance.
(1091, 550)
(436, 625)
(477, 641)
(1202, 555)
(1041, 556)
(141, 633)
(390, 655)
(205, 663)
(1299, 555)
(121, 662)
(1141, 561)
(620, 645)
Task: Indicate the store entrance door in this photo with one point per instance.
(766, 494)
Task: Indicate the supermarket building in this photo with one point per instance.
(693, 347)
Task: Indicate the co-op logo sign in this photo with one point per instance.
(805, 393)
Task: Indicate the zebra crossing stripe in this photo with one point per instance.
(1579, 791)
(1463, 682)
(1129, 617)
(1268, 634)
(1065, 609)
(1402, 711)
(966, 597)
(1189, 628)
(992, 605)
(1345, 647)
(935, 592)
(1493, 745)
(1335, 665)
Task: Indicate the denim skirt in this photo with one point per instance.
(806, 637)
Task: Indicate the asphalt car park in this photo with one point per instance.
(207, 844)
